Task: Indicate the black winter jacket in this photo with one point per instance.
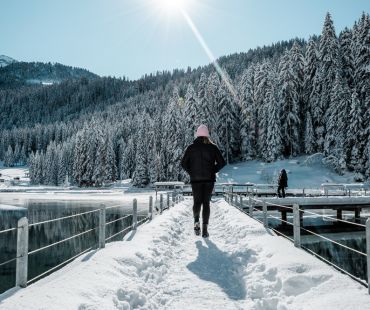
(202, 161)
(283, 179)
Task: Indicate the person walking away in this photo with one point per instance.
(202, 160)
(282, 183)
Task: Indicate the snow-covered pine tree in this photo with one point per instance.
(51, 165)
(309, 136)
(203, 108)
(310, 95)
(361, 51)
(81, 157)
(174, 137)
(346, 56)
(297, 67)
(337, 120)
(289, 102)
(9, 157)
(141, 176)
(62, 163)
(16, 155)
(328, 68)
(274, 142)
(355, 133)
(248, 116)
(190, 114)
(213, 114)
(262, 85)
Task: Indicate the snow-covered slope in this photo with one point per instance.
(164, 266)
(6, 60)
(300, 175)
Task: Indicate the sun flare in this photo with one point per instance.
(172, 6)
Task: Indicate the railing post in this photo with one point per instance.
(173, 198)
(296, 226)
(102, 227)
(161, 203)
(241, 202)
(368, 252)
(168, 200)
(134, 214)
(150, 213)
(250, 205)
(232, 198)
(22, 253)
(264, 209)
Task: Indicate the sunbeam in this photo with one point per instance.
(209, 53)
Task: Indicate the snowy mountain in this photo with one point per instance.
(6, 60)
(16, 74)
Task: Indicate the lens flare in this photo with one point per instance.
(171, 6)
(209, 53)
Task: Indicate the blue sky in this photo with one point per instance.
(133, 37)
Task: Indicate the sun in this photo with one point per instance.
(171, 6)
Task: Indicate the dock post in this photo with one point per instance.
(368, 252)
(102, 227)
(241, 202)
(173, 198)
(296, 226)
(168, 200)
(339, 214)
(284, 216)
(264, 209)
(150, 212)
(134, 214)
(232, 198)
(161, 203)
(250, 205)
(357, 213)
(22, 253)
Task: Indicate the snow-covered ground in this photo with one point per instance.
(300, 175)
(164, 266)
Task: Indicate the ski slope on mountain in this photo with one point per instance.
(164, 266)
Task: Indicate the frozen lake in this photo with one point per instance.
(39, 207)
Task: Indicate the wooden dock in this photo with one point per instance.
(336, 203)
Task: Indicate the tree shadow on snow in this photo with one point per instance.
(220, 268)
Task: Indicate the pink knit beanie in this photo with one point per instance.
(202, 131)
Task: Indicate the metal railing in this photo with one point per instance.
(297, 227)
(23, 235)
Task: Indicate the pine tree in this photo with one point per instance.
(289, 101)
(141, 174)
(203, 108)
(309, 139)
(355, 130)
(9, 157)
(248, 114)
(328, 67)
(274, 142)
(191, 119)
(346, 56)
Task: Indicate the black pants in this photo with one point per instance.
(282, 188)
(202, 193)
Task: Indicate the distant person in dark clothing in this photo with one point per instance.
(282, 183)
(202, 160)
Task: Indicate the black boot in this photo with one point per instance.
(197, 228)
(205, 233)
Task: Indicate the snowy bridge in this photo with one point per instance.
(162, 265)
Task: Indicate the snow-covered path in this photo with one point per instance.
(164, 266)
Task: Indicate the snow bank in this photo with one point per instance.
(300, 175)
(164, 266)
